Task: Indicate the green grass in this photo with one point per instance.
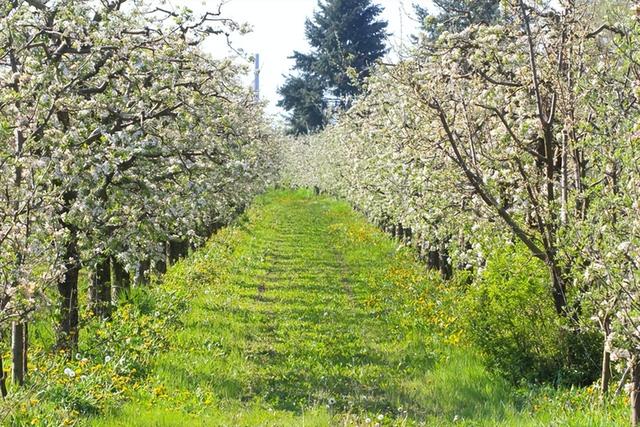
(304, 314)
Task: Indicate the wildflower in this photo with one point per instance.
(107, 359)
(367, 421)
(332, 401)
(380, 417)
(69, 372)
(624, 246)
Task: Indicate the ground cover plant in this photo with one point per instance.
(123, 145)
(456, 244)
(516, 132)
(300, 313)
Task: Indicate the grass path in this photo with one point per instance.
(303, 314)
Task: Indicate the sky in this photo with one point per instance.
(278, 30)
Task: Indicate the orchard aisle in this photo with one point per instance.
(303, 314)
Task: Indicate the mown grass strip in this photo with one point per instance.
(304, 314)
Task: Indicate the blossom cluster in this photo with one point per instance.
(118, 134)
(525, 131)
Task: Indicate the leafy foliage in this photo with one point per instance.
(507, 316)
(346, 39)
(455, 15)
(114, 359)
(501, 134)
(118, 135)
(264, 341)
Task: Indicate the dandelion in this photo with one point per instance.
(69, 372)
(332, 401)
(107, 359)
(380, 417)
(367, 421)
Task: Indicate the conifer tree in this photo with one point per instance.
(456, 15)
(346, 38)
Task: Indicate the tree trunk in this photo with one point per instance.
(25, 349)
(407, 236)
(67, 333)
(635, 391)
(100, 289)
(177, 249)
(605, 376)
(446, 270)
(3, 380)
(142, 273)
(17, 352)
(558, 290)
(120, 279)
(433, 260)
(160, 265)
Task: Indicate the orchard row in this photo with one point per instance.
(123, 145)
(523, 133)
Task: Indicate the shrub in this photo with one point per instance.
(507, 313)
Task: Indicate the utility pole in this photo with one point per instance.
(256, 80)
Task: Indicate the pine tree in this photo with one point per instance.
(303, 98)
(456, 15)
(346, 38)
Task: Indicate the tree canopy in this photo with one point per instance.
(456, 15)
(523, 134)
(346, 38)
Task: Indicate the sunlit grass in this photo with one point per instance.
(304, 314)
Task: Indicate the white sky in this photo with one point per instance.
(278, 30)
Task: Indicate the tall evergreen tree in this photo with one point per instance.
(346, 38)
(456, 15)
